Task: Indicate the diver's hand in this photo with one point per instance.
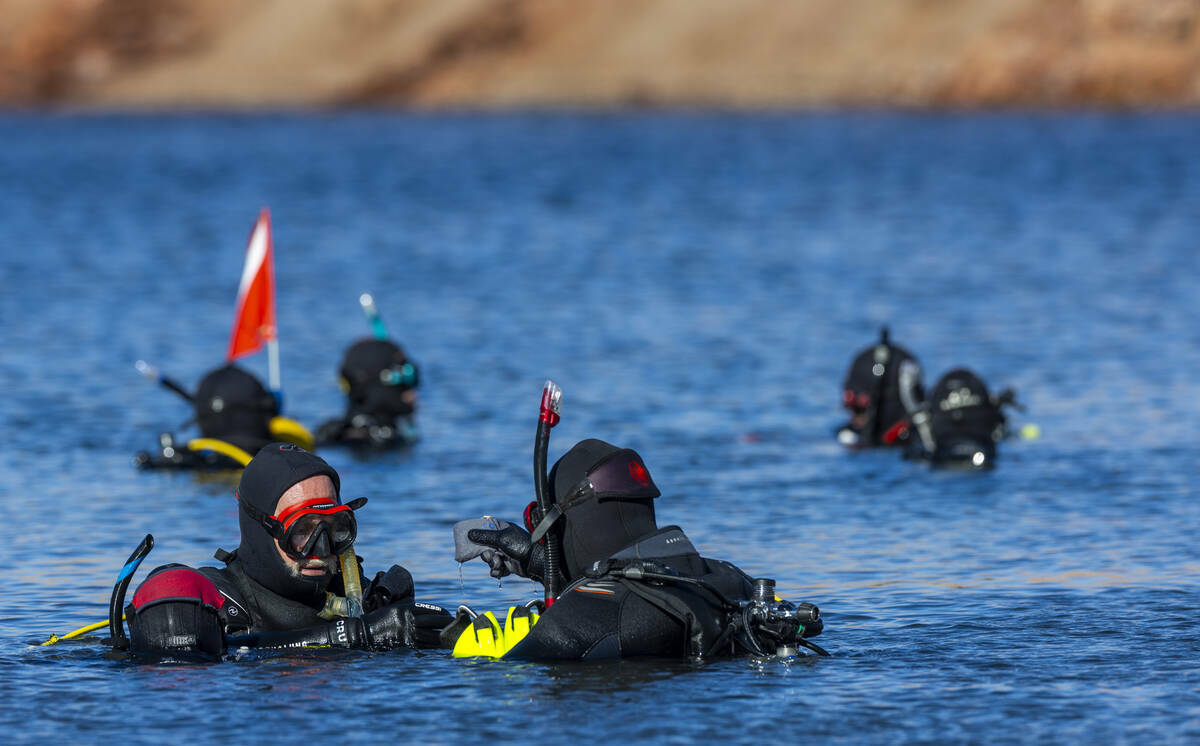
(391, 587)
(415, 625)
(424, 625)
(515, 553)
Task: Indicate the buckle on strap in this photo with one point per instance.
(582, 492)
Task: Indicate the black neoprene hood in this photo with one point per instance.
(368, 394)
(271, 473)
(622, 512)
(231, 404)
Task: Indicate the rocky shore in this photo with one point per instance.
(599, 53)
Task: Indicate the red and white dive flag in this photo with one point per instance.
(254, 321)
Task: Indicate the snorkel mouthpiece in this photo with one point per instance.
(551, 403)
(351, 582)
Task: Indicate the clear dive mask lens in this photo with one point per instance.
(314, 535)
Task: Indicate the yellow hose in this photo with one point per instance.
(221, 447)
(287, 429)
(76, 633)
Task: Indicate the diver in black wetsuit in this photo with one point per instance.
(232, 407)
(961, 423)
(282, 588)
(632, 588)
(380, 384)
(882, 390)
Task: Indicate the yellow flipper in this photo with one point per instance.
(517, 624)
(288, 430)
(485, 639)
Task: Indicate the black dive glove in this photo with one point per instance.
(391, 587)
(516, 553)
(414, 625)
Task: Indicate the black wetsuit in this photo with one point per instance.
(257, 601)
(632, 589)
(961, 424)
(882, 388)
(368, 430)
(258, 609)
(179, 609)
(609, 616)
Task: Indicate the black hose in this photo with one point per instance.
(173, 385)
(814, 647)
(117, 602)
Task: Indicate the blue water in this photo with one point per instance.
(697, 283)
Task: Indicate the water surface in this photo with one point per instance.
(697, 283)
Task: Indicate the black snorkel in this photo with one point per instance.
(548, 417)
(116, 604)
(149, 371)
(883, 357)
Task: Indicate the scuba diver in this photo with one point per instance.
(282, 587)
(882, 390)
(961, 423)
(236, 416)
(616, 584)
(380, 384)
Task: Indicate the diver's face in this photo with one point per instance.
(312, 488)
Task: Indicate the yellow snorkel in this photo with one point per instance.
(351, 582)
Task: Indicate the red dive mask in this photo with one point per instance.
(321, 527)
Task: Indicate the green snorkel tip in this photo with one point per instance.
(367, 301)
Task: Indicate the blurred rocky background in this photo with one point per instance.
(599, 53)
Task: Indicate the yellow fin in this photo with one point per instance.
(517, 624)
(483, 638)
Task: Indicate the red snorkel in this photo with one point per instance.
(548, 417)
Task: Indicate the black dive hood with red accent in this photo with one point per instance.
(618, 511)
(271, 473)
(884, 384)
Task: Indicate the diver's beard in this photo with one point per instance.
(329, 568)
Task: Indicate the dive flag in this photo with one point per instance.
(254, 321)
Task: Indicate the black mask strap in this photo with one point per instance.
(583, 492)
